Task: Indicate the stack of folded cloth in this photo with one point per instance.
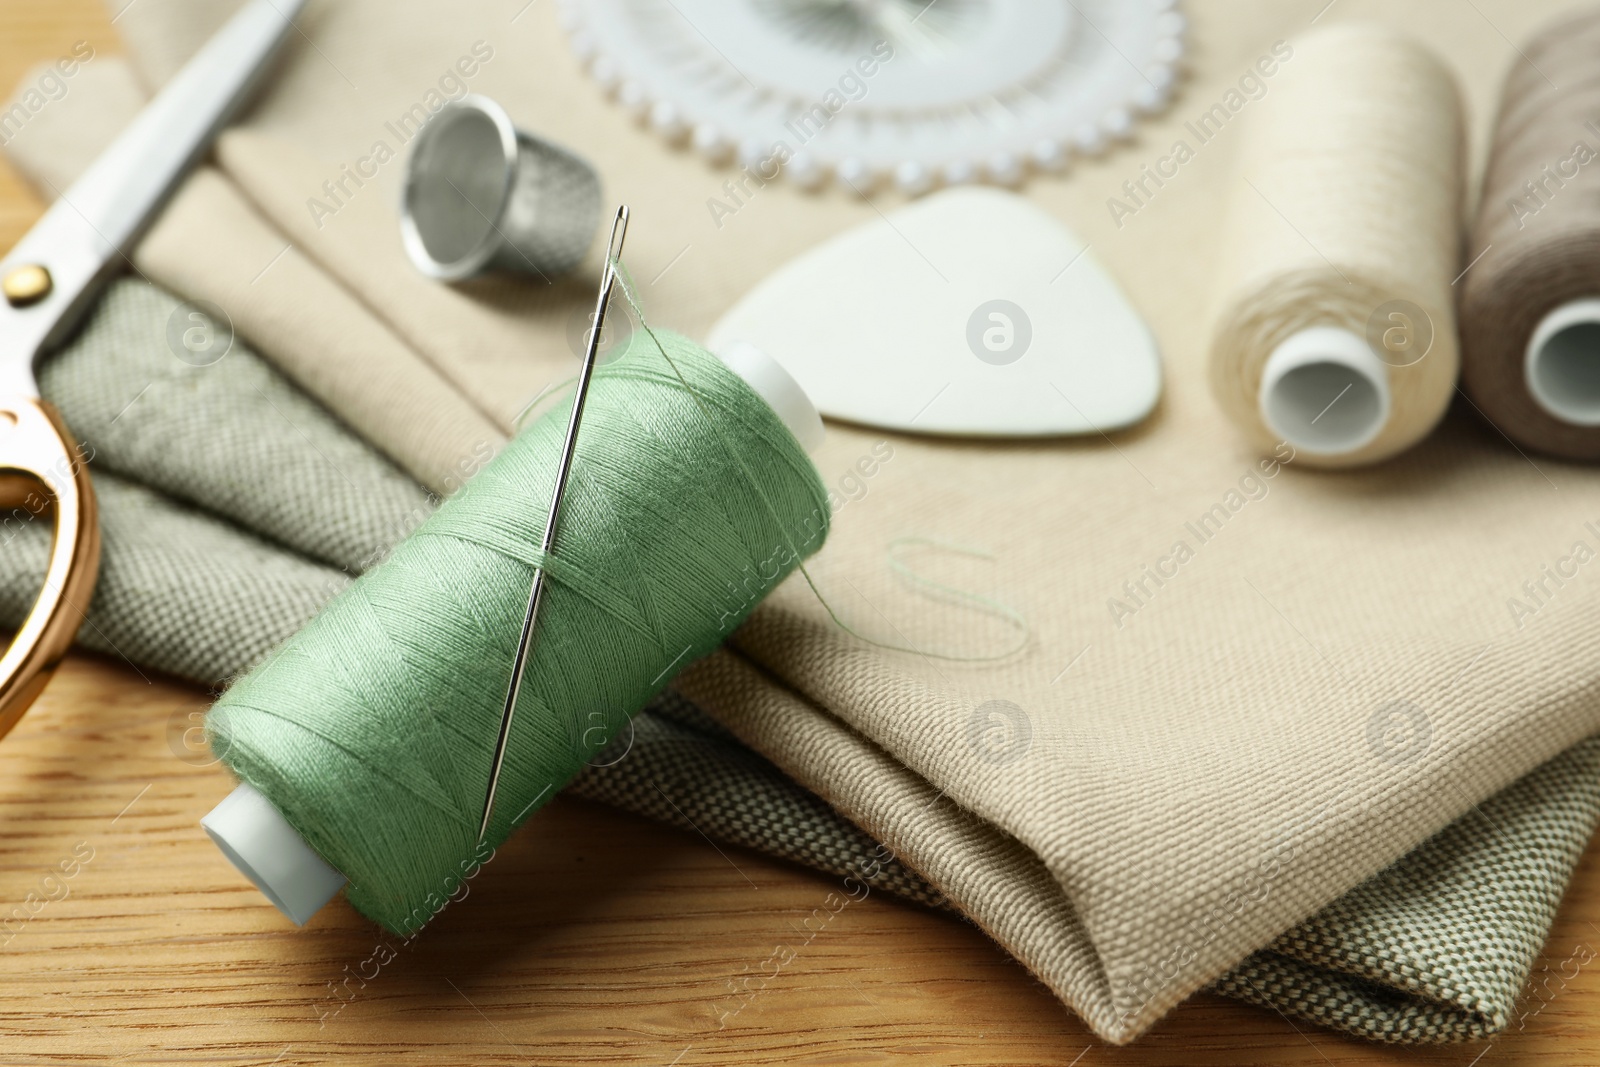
(1210, 795)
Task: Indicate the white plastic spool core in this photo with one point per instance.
(1323, 390)
(778, 388)
(259, 841)
(1562, 367)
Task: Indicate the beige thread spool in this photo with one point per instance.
(1530, 313)
(1335, 328)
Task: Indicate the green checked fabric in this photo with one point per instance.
(180, 590)
(680, 766)
(1438, 947)
(267, 502)
(160, 394)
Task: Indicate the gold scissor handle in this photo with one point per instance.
(35, 442)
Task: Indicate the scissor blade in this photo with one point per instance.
(95, 221)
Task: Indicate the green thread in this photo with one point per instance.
(940, 591)
(372, 729)
(950, 594)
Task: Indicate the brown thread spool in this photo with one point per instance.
(1344, 234)
(1530, 311)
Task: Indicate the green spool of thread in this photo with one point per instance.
(371, 731)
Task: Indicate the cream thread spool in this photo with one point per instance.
(266, 849)
(1344, 217)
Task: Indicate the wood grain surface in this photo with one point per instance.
(593, 938)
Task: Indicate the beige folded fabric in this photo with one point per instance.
(1196, 762)
(317, 332)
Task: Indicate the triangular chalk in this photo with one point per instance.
(971, 312)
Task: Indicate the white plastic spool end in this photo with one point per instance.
(1562, 367)
(779, 389)
(1325, 391)
(259, 841)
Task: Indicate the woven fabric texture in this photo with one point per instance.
(1333, 679)
(216, 426)
(676, 765)
(1439, 946)
(180, 591)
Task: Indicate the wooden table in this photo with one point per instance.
(594, 938)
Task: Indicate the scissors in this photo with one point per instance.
(49, 281)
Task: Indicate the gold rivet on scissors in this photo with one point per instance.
(27, 285)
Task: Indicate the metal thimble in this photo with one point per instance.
(482, 195)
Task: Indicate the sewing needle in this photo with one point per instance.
(619, 231)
